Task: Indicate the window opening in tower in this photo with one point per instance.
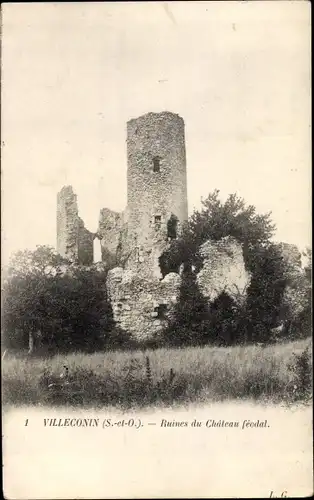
(161, 311)
(157, 221)
(156, 164)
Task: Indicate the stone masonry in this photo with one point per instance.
(74, 241)
(134, 239)
(296, 292)
(223, 270)
(142, 306)
(157, 187)
(112, 232)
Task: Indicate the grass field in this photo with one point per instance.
(161, 377)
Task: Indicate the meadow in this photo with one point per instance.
(161, 377)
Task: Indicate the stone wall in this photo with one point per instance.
(223, 270)
(295, 297)
(143, 305)
(140, 306)
(112, 229)
(74, 241)
(156, 193)
(143, 258)
(67, 223)
(85, 244)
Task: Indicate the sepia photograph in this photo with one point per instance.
(156, 264)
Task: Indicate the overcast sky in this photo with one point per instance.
(73, 74)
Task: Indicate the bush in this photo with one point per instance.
(50, 303)
(301, 388)
(189, 324)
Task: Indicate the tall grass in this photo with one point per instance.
(161, 376)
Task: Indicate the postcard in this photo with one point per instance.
(156, 250)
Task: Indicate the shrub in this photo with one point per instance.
(301, 388)
(50, 302)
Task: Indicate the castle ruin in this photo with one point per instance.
(132, 241)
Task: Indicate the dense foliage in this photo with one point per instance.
(51, 303)
(225, 322)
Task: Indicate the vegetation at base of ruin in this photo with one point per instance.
(215, 221)
(224, 322)
(53, 305)
(165, 376)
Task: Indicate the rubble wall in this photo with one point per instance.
(67, 223)
(74, 241)
(112, 229)
(85, 245)
(140, 306)
(223, 270)
(295, 297)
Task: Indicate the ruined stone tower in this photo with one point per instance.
(67, 213)
(74, 241)
(157, 187)
(142, 300)
(156, 201)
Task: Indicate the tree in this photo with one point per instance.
(215, 221)
(265, 292)
(189, 321)
(308, 265)
(232, 218)
(297, 303)
(28, 275)
(48, 300)
(86, 311)
(253, 231)
(42, 262)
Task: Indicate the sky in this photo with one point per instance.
(73, 74)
